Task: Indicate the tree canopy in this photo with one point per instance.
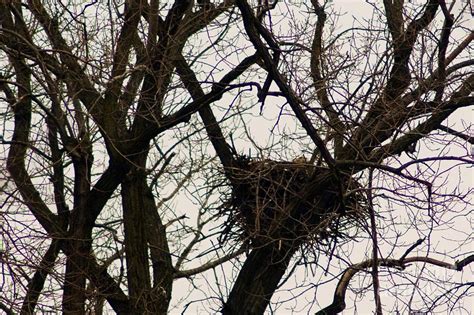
(236, 156)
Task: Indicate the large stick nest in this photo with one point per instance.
(274, 201)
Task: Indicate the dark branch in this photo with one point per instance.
(338, 304)
(457, 133)
(254, 30)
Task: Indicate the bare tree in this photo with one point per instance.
(248, 155)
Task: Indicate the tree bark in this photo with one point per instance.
(136, 250)
(143, 229)
(80, 231)
(259, 278)
(36, 284)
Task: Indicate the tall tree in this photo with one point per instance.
(150, 146)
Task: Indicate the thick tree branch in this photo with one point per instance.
(6, 309)
(75, 75)
(125, 41)
(184, 114)
(383, 118)
(108, 287)
(212, 127)
(17, 154)
(209, 265)
(460, 48)
(459, 99)
(36, 283)
(458, 134)
(339, 304)
(394, 15)
(442, 48)
(254, 30)
(114, 110)
(320, 82)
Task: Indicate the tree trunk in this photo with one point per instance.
(259, 278)
(80, 232)
(143, 232)
(136, 249)
(74, 297)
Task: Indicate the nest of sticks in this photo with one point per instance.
(275, 201)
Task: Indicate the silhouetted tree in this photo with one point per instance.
(224, 148)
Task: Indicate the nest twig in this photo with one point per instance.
(274, 201)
